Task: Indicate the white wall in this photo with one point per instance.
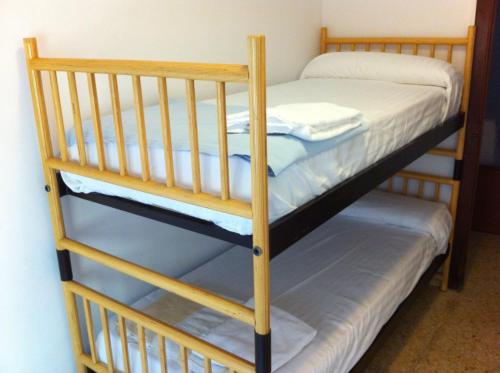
(33, 330)
(398, 17)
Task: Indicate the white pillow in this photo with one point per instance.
(390, 67)
(418, 215)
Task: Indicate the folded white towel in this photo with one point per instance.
(309, 121)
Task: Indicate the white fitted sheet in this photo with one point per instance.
(394, 113)
(349, 276)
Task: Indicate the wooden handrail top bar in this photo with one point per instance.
(426, 177)
(230, 206)
(397, 40)
(193, 293)
(176, 335)
(179, 70)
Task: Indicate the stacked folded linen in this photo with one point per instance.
(308, 121)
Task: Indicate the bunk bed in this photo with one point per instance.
(267, 239)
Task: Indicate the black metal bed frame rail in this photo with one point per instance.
(292, 227)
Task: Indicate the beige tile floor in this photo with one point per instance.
(451, 332)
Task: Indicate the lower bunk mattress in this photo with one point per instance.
(345, 280)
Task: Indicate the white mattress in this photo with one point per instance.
(349, 276)
(395, 114)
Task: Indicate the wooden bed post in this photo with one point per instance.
(469, 54)
(52, 189)
(260, 220)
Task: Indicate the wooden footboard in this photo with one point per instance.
(163, 332)
(254, 75)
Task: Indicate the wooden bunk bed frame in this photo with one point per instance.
(267, 240)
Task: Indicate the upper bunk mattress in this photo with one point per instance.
(394, 115)
(349, 277)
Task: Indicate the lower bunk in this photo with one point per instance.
(331, 292)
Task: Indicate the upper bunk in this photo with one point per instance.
(182, 183)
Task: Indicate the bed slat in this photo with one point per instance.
(449, 55)
(56, 99)
(107, 341)
(90, 329)
(124, 343)
(390, 184)
(223, 152)
(166, 132)
(142, 348)
(405, 185)
(96, 117)
(193, 136)
(117, 119)
(208, 365)
(421, 185)
(77, 118)
(141, 127)
(163, 354)
(184, 359)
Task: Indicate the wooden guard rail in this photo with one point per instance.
(143, 322)
(254, 75)
(220, 74)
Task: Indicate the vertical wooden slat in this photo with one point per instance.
(258, 151)
(390, 184)
(107, 341)
(449, 56)
(437, 192)
(166, 132)
(184, 359)
(433, 50)
(142, 348)
(383, 47)
(193, 136)
(398, 48)
(77, 118)
(223, 152)
(56, 99)
(90, 329)
(415, 49)
(117, 116)
(163, 354)
(367, 47)
(405, 185)
(96, 117)
(337, 47)
(421, 185)
(353, 47)
(208, 365)
(124, 344)
(141, 127)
